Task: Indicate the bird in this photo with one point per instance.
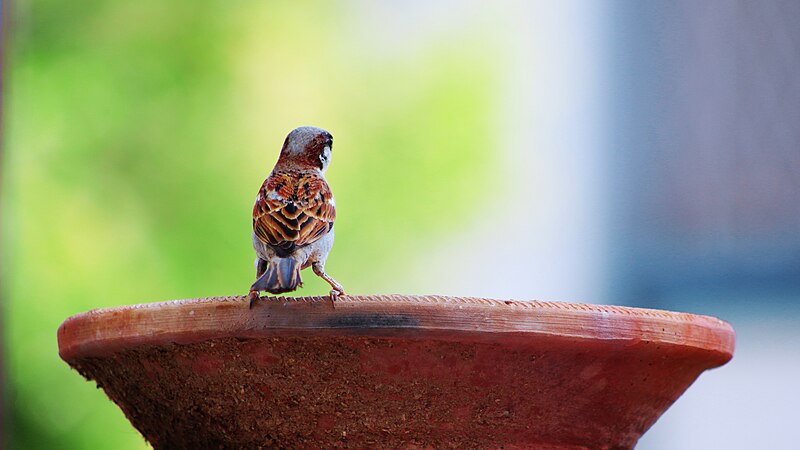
(293, 216)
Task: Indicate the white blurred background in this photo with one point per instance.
(651, 157)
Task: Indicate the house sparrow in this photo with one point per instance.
(293, 216)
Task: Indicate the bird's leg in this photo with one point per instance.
(337, 290)
(261, 267)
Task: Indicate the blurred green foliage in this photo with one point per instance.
(138, 133)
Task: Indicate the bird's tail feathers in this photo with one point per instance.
(282, 275)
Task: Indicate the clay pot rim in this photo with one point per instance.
(102, 331)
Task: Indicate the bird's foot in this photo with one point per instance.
(335, 295)
(337, 290)
(253, 297)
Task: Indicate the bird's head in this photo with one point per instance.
(307, 147)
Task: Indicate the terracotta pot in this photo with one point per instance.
(392, 371)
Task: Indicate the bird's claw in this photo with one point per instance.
(335, 294)
(253, 297)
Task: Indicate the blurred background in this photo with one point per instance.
(623, 152)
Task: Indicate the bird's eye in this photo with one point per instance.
(324, 157)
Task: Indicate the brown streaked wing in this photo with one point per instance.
(293, 209)
(318, 213)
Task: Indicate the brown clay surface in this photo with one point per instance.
(392, 372)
